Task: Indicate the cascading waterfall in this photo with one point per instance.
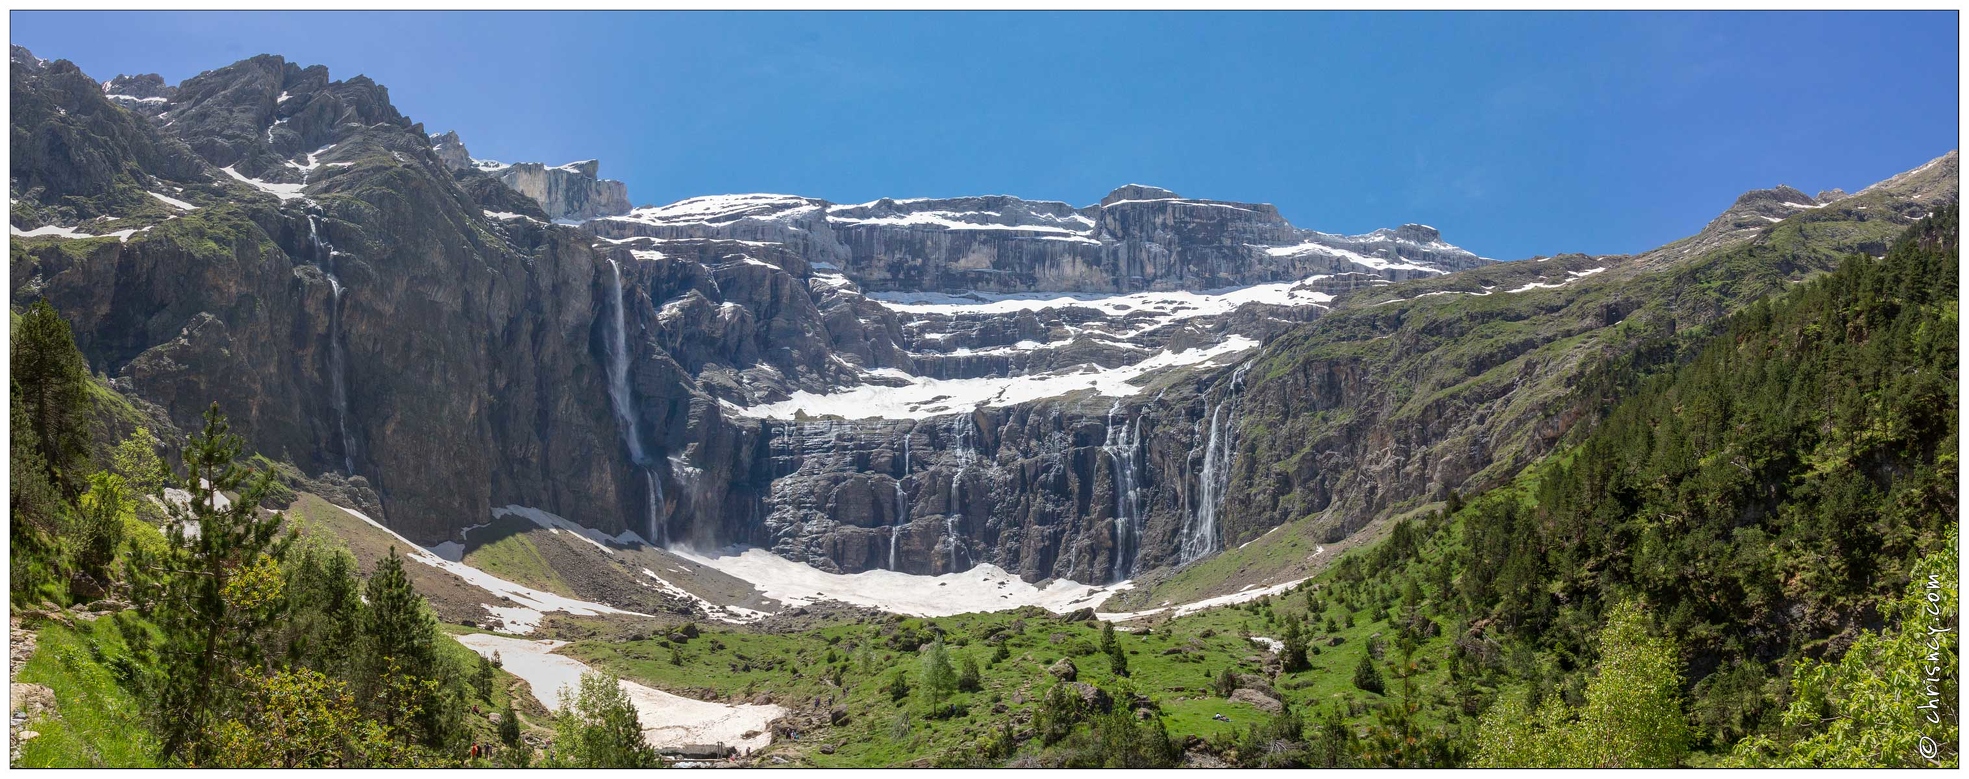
(960, 430)
(950, 537)
(625, 409)
(324, 257)
(902, 504)
(655, 488)
(1123, 446)
(1201, 536)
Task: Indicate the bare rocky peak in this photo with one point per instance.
(22, 58)
(1138, 192)
(451, 150)
(571, 192)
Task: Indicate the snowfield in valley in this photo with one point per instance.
(667, 720)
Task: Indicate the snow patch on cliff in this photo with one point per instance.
(923, 397)
(1167, 306)
(718, 209)
(282, 191)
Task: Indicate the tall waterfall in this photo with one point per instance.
(1123, 446)
(1201, 536)
(623, 401)
(324, 257)
(902, 504)
(962, 450)
(950, 536)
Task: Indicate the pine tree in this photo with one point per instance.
(482, 681)
(1292, 653)
(939, 680)
(35, 511)
(1225, 683)
(53, 383)
(324, 610)
(212, 591)
(1367, 675)
(400, 637)
(1117, 657)
(509, 726)
(968, 677)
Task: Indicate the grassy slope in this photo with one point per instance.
(512, 556)
(96, 722)
(1516, 362)
(1172, 664)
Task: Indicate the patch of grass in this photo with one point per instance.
(512, 556)
(95, 722)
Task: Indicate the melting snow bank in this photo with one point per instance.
(983, 588)
(1242, 596)
(71, 233)
(56, 230)
(1171, 305)
(925, 397)
(667, 720)
(734, 614)
(1571, 276)
(282, 191)
(533, 604)
(557, 523)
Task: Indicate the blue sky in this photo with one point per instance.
(1514, 133)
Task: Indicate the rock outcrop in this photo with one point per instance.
(451, 151)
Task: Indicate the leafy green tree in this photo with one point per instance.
(1890, 701)
(599, 728)
(1633, 715)
(213, 591)
(98, 528)
(53, 384)
(1632, 718)
(136, 460)
(301, 719)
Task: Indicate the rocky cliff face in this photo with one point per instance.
(919, 385)
(304, 260)
(928, 385)
(1136, 239)
(572, 192)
